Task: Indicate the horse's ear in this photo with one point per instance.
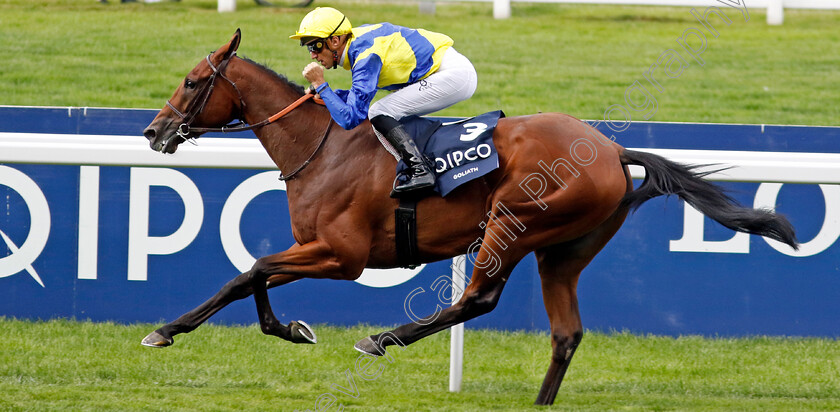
(224, 52)
(234, 42)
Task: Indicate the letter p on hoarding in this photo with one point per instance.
(140, 244)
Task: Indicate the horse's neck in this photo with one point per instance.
(291, 139)
(294, 140)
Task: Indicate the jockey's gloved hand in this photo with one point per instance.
(314, 73)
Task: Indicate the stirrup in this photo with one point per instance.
(407, 188)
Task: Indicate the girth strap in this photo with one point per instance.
(406, 233)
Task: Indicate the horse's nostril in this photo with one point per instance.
(149, 133)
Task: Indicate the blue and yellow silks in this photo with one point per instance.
(382, 56)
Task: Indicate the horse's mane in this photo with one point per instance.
(279, 76)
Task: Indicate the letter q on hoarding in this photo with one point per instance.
(22, 257)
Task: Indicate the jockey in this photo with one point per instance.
(421, 68)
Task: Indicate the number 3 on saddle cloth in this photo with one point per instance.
(461, 151)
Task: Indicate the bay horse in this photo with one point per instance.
(562, 190)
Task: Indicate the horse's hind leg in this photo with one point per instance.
(480, 297)
(493, 265)
(560, 266)
(236, 289)
(559, 284)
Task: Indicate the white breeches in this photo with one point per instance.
(453, 82)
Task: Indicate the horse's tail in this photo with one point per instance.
(664, 177)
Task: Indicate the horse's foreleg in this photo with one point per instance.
(295, 331)
(236, 289)
(314, 260)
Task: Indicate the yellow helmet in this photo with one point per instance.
(321, 23)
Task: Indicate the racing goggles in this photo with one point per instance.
(316, 46)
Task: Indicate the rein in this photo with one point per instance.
(312, 156)
(241, 126)
(193, 110)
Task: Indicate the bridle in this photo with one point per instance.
(195, 107)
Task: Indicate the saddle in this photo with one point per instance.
(457, 153)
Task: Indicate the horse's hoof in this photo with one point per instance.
(369, 347)
(302, 333)
(156, 340)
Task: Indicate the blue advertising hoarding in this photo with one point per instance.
(156, 242)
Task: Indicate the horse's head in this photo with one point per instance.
(200, 101)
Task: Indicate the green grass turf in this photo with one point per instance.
(81, 366)
(577, 59)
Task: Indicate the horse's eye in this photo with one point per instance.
(189, 84)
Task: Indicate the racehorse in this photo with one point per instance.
(562, 190)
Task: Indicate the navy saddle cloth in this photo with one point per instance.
(461, 151)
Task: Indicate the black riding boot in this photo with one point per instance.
(419, 174)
